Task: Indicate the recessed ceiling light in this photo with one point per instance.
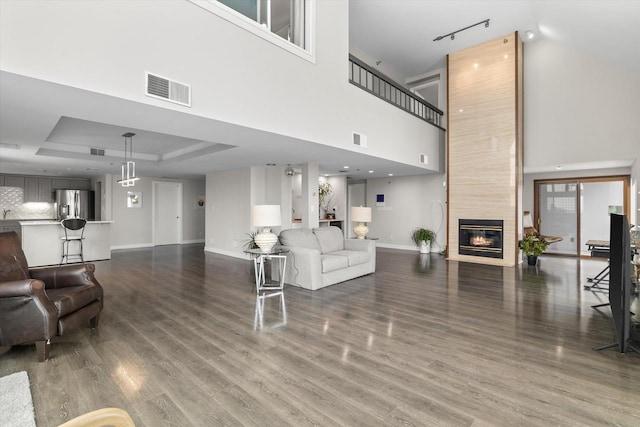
(506, 56)
(370, 171)
(559, 167)
(529, 34)
(345, 167)
(475, 65)
(461, 110)
(326, 174)
(390, 174)
(271, 164)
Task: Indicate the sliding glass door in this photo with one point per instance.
(578, 210)
(558, 215)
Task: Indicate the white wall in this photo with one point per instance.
(577, 108)
(410, 202)
(228, 211)
(106, 46)
(132, 227)
(230, 195)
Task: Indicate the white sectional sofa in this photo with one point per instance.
(323, 257)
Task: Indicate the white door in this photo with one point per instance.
(167, 213)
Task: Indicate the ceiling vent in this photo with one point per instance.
(424, 159)
(97, 152)
(360, 140)
(169, 90)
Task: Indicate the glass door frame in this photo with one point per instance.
(626, 180)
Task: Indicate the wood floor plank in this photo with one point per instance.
(423, 341)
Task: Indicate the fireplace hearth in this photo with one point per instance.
(480, 237)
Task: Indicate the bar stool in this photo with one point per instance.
(72, 224)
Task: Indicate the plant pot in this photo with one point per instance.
(532, 259)
(425, 247)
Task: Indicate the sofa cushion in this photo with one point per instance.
(354, 257)
(333, 262)
(299, 238)
(330, 239)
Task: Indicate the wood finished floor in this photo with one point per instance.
(423, 341)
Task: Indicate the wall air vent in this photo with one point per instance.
(360, 140)
(169, 90)
(97, 152)
(424, 159)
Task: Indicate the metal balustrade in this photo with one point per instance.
(366, 78)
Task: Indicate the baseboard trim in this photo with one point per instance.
(401, 247)
(240, 255)
(188, 242)
(134, 246)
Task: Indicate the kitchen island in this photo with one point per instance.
(42, 241)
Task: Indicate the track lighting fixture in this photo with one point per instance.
(453, 34)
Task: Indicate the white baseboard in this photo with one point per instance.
(134, 246)
(188, 242)
(240, 255)
(401, 247)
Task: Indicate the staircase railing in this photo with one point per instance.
(376, 83)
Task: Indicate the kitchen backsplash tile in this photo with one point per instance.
(13, 206)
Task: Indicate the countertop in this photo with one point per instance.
(52, 222)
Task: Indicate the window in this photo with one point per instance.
(285, 23)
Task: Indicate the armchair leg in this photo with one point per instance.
(42, 348)
(93, 323)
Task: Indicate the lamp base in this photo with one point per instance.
(266, 240)
(361, 230)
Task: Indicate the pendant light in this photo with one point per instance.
(129, 166)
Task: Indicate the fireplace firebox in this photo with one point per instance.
(480, 237)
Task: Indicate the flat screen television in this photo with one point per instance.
(620, 281)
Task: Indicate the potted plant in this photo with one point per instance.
(423, 237)
(533, 245)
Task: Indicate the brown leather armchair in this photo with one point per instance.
(41, 303)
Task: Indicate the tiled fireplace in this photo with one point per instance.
(485, 152)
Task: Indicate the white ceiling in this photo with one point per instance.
(40, 132)
(400, 33)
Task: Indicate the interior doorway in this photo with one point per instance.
(167, 213)
(578, 209)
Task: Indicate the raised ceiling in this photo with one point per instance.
(40, 132)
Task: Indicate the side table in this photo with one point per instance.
(259, 259)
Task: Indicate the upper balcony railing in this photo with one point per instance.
(365, 77)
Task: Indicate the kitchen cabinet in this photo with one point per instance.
(70, 184)
(59, 184)
(13, 181)
(79, 184)
(37, 189)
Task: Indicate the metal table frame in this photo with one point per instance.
(259, 259)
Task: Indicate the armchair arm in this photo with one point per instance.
(304, 268)
(26, 313)
(64, 276)
(21, 288)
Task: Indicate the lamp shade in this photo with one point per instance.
(360, 214)
(265, 216)
(527, 222)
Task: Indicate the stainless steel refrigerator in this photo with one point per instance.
(75, 204)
